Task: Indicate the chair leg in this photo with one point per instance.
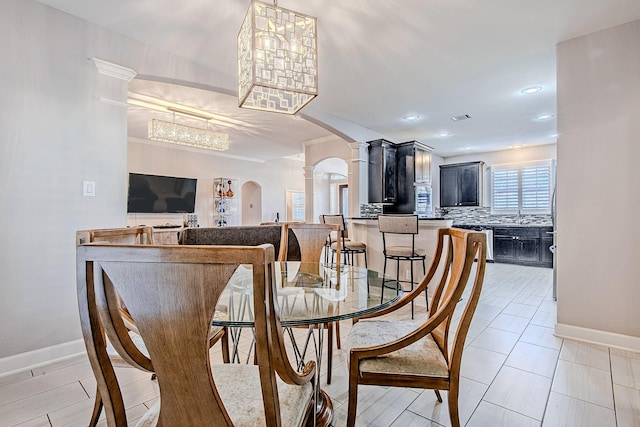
(330, 327)
(424, 273)
(337, 323)
(411, 278)
(353, 400)
(225, 346)
(97, 409)
(438, 395)
(453, 405)
(384, 272)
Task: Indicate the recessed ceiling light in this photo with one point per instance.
(466, 148)
(460, 117)
(542, 117)
(411, 118)
(443, 134)
(516, 146)
(531, 89)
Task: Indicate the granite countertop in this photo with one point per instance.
(501, 225)
(375, 218)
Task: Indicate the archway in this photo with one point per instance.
(251, 195)
(330, 187)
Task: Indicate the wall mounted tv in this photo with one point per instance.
(160, 194)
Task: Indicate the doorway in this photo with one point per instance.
(251, 195)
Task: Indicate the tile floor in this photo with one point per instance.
(515, 372)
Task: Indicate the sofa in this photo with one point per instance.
(245, 235)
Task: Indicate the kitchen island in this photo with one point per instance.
(365, 230)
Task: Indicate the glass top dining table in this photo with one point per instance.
(308, 293)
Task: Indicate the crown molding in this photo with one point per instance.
(113, 70)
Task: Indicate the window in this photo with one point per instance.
(521, 187)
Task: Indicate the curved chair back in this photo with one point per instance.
(311, 240)
(171, 293)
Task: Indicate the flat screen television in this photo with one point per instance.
(161, 194)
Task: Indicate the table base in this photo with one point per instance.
(324, 412)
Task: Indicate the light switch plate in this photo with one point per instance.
(89, 188)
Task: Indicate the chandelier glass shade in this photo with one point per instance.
(277, 59)
(175, 133)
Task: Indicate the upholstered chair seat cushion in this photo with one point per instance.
(405, 251)
(351, 246)
(115, 357)
(241, 393)
(420, 358)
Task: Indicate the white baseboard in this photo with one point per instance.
(42, 356)
(594, 336)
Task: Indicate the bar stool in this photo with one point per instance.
(401, 224)
(349, 247)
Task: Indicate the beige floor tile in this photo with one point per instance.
(519, 391)
(496, 301)
(36, 422)
(70, 361)
(480, 364)
(596, 356)
(496, 340)
(427, 406)
(625, 370)
(540, 335)
(545, 318)
(28, 387)
(379, 406)
(409, 419)
(14, 377)
(583, 382)
(133, 416)
(488, 414)
(509, 322)
(627, 402)
(567, 411)
(40, 404)
(533, 358)
(528, 299)
(522, 310)
(76, 415)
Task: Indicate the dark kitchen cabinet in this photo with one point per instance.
(413, 165)
(521, 245)
(461, 184)
(383, 184)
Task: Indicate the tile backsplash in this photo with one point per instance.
(471, 215)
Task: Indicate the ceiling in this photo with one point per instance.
(380, 61)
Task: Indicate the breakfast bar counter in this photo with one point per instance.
(366, 230)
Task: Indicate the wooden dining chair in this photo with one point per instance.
(132, 236)
(171, 293)
(406, 354)
(311, 240)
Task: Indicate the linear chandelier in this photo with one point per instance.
(277, 59)
(176, 133)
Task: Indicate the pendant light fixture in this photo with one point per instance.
(277, 59)
(176, 133)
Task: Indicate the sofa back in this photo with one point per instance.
(244, 235)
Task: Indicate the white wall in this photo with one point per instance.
(525, 154)
(56, 133)
(165, 159)
(598, 177)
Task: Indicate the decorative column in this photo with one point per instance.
(358, 173)
(308, 194)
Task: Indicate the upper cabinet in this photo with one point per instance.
(382, 172)
(413, 167)
(461, 184)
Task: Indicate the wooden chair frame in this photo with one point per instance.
(311, 240)
(179, 295)
(455, 270)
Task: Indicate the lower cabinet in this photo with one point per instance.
(522, 245)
